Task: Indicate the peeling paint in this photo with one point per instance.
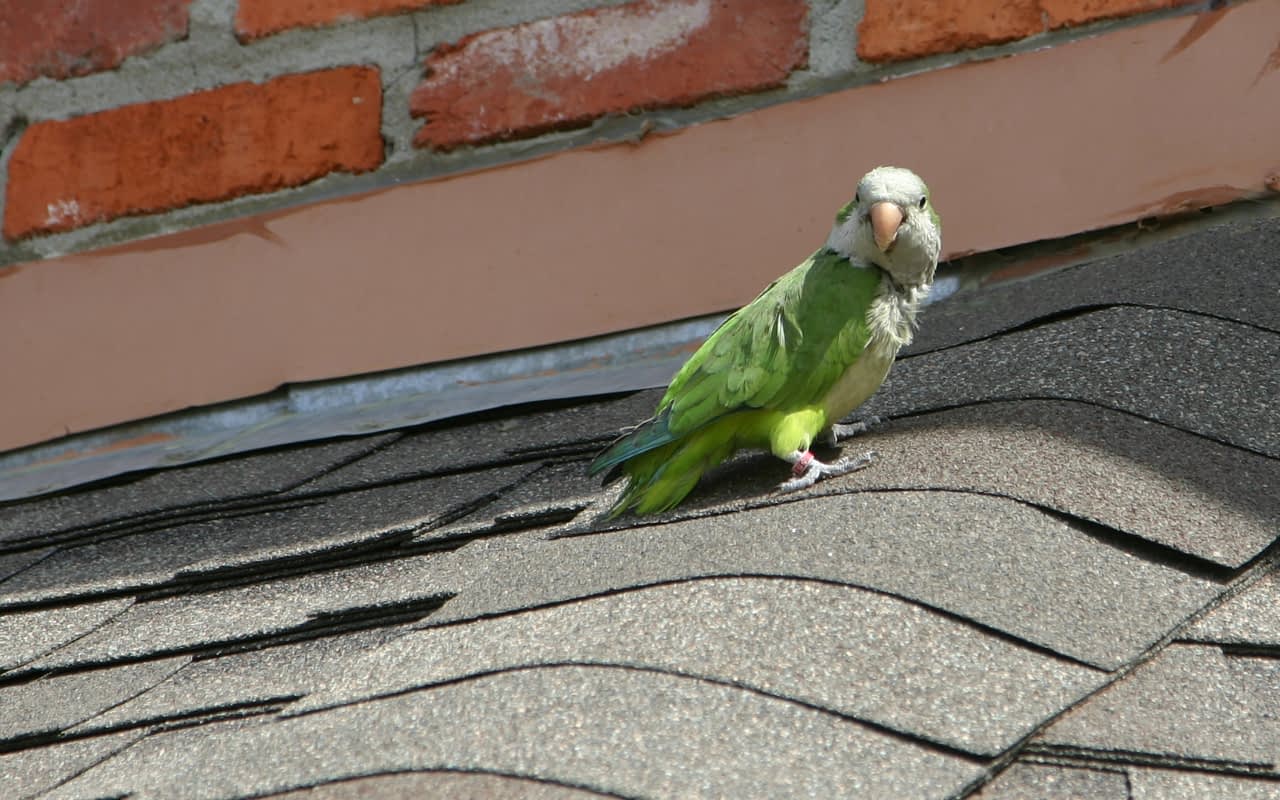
(1270, 65)
(1190, 200)
(1201, 25)
(258, 228)
(193, 237)
(1029, 267)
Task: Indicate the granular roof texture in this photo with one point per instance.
(1058, 581)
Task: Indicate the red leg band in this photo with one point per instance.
(802, 464)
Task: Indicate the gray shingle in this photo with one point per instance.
(1231, 268)
(631, 732)
(14, 562)
(26, 635)
(24, 774)
(375, 595)
(566, 484)
(1251, 617)
(1023, 781)
(1159, 784)
(255, 678)
(1184, 491)
(155, 557)
(1204, 375)
(1028, 574)
(869, 656)
(1025, 573)
(551, 495)
(530, 436)
(245, 476)
(439, 784)
(991, 560)
(58, 702)
(1190, 702)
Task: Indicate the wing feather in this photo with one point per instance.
(785, 349)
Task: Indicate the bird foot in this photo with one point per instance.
(809, 470)
(837, 431)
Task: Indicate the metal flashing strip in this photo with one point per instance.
(356, 405)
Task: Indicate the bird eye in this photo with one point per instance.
(923, 200)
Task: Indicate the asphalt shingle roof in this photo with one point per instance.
(1058, 580)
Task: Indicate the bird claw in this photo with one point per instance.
(817, 470)
(837, 431)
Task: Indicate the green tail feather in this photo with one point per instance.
(660, 469)
(647, 436)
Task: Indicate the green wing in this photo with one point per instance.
(783, 350)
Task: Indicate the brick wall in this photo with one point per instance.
(126, 118)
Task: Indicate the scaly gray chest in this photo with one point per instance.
(858, 382)
(890, 318)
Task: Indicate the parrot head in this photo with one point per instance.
(891, 223)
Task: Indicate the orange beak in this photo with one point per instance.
(885, 219)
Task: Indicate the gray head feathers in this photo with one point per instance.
(892, 224)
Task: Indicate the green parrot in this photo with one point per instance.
(784, 369)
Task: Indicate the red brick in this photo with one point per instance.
(62, 38)
(565, 71)
(1065, 13)
(258, 18)
(895, 30)
(239, 139)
